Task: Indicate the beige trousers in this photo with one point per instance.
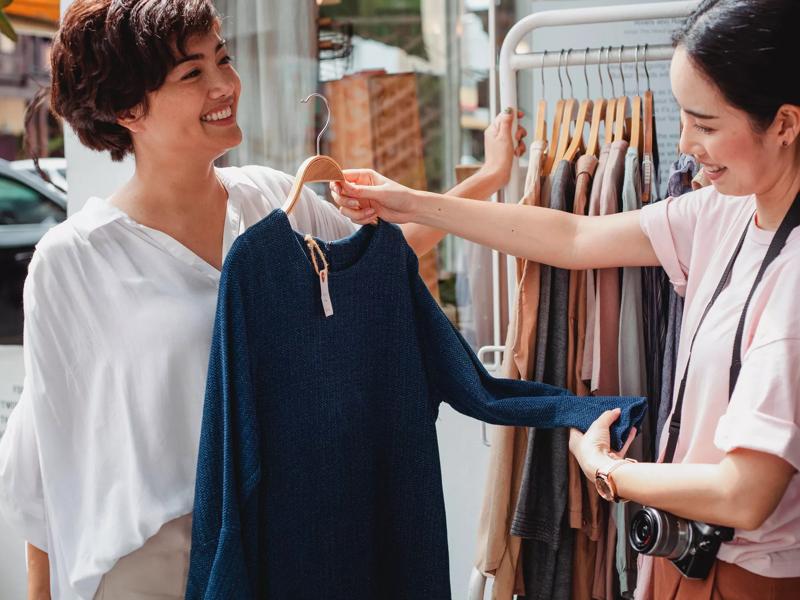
(156, 571)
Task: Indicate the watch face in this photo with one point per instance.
(604, 489)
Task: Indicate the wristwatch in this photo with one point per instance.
(605, 484)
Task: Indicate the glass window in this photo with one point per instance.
(22, 205)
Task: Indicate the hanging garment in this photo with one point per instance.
(631, 372)
(101, 450)
(605, 370)
(658, 297)
(591, 274)
(682, 173)
(605, 359)
(541, 516)
(498, 551)
(583, 501)
(585, 170)
(318, 472)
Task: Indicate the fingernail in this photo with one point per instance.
(509, 110)
(370, 212)
(353, 204)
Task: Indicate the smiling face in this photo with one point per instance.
(738, 159)
(193, 114)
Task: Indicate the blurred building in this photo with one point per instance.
(24, 69)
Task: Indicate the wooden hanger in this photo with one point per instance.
(570, 108)
(540, 134)
(622, 106)
(557, 118)
(648, 130)
(598, 110)
(636, 112)
(611, 104)
(577, 144)
(315, 168)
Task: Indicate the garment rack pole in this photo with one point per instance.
(511, 62)
(537, 60)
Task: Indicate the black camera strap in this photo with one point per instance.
(790, 221)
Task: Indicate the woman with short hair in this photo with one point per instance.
(97, 465)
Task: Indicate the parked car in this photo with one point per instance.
(56, 169)
(28, 208)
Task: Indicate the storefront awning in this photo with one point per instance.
(34, 17)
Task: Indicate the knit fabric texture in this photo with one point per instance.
(318, 472)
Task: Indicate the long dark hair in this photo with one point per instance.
(749, 50)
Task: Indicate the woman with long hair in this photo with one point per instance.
(735, 459)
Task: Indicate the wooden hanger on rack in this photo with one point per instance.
(598, 110)
(636, 111)
(611, 105)
(576, 145)
(540, 134)
(648, 129)
(557, 118)
(315, 168)
(567, 120)
(620, 125)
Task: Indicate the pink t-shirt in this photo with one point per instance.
(694, 237)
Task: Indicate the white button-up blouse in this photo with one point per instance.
(101, 450)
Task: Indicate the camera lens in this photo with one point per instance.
(643, 533)
(660, 534)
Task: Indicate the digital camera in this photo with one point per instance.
(692, 546)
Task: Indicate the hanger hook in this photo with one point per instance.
(599, 72)
(608, 71)
(566, 70)
(327, 121)
(541, 71)
(585, 73)
(621, 72)
(636, 60)
(560, 81)
(646, 72)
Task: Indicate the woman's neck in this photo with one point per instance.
(772, 204)
(171, 193)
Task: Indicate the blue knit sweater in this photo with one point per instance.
(318, 474)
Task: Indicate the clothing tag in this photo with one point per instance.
(324, 293)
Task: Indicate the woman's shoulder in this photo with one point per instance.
(70, 247)
(703, 211)
(267, 189)
(272, 184)
(707, 202)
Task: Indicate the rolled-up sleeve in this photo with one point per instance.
(670, 227)
(764, 413)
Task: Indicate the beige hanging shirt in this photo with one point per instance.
(498, 550)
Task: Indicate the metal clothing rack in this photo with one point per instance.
(511, 62)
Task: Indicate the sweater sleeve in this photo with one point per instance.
(224, 526)
(457, 377)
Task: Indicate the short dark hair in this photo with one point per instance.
(108, 54)
(749, 50)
